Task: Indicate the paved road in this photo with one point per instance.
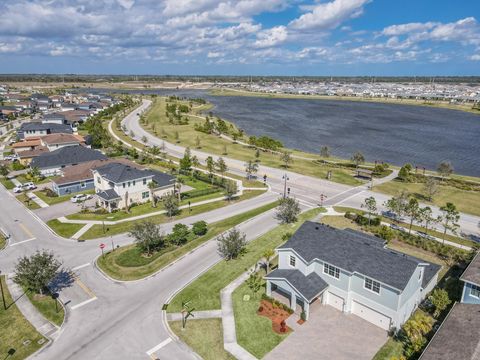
(305, 188)
(109, 320)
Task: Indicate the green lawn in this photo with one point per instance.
(25, 200)
(431, 232)
(254, 332)
(213, 144)
(63, 229)
(96, 231)
(465, 201)
(205, 291)
(15, 330)
(59, 199)
(205, 337)
(9, 185)
(45, 304)
(23, 179)
(128, 263)
(392, 349)
(340, 222)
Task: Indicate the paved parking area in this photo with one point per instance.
(62, 209)
(330, 334)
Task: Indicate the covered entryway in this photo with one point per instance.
(371, 315)
(336, 301)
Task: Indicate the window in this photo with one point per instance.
(145, 195)
(144, 181)
(129, 184)
(331, 270)
(475, 291)
(99, 180)
(83, 185)
(133, 182)
(123, 185)
(372, 285)
(293, 260)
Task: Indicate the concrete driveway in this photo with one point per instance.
(330, 334)
(62, 209)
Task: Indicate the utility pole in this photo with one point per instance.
(285, 178)
(3, 295)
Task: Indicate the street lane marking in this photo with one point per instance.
(80, 266)
(85, 287)
(23, 241)
(159, 346)
(28, 232)
(83, 303)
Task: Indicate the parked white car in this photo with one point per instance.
(18, 189)
(80, 197)
(29, 186)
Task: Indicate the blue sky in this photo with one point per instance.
(242, 37)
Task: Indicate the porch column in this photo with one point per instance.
(293, 301)
(268, 289)
(306, 309)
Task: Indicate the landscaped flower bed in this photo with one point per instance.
(276, 313)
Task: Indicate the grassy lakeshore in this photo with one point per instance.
(157, 123)
(426, 103)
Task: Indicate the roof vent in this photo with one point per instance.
(316, 228)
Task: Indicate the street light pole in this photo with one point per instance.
(285, 178)
(3, 295)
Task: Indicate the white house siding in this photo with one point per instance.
(54, 147)
(50, 171)
(284, 261)
(388, 297)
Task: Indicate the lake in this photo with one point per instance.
(397, 134)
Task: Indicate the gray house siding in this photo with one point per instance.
(388, 297)
(467, 298)
(66, 189)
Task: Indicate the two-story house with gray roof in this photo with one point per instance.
(351, 271)
(118, 185)
(471, 282)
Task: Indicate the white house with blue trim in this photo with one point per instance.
(352, 271)
(471, 280)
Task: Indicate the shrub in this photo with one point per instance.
(17, 166)
(49, 192)
(199, 228)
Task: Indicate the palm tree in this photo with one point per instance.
(151, 187)
(268, 255)
(178, 186)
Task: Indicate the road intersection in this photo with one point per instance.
(109, 319)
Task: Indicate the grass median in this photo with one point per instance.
(9, 185)
(111, 263)
(204, 293)
(97, 231)
(29, 203)
(17, 336)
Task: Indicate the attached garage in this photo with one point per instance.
(371, 315)
(335, 301)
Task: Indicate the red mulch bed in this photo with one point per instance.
(275, 314)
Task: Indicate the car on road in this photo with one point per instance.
(29, 186)
(80, 197)
(396, 227)
(425, 235)
(18, 189)
(392, 215)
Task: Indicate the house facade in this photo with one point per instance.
(38, 129)
(352, 272)
(471, 282)
(118, 185)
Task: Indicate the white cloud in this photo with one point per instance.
(329, 15)
(403, 29)
(475, 57)
(271, 37)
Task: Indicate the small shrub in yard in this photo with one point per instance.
(49, 192)
(199, 228)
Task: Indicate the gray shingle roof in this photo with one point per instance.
(66, 156)
(52, 127)
(309, 286)
(108, 195)
(472, 272)
(352, 252)
(119, 173)
(458, 338)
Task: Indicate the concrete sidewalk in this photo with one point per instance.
(206, 314)
(37, 200)
(43, 326)
(228, 320)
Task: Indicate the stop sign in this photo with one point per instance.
(102, 246)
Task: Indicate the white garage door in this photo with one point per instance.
(335, 301)
(371, 315)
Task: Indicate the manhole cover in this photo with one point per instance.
(246, 297)
(41, 341)
(26, 342)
